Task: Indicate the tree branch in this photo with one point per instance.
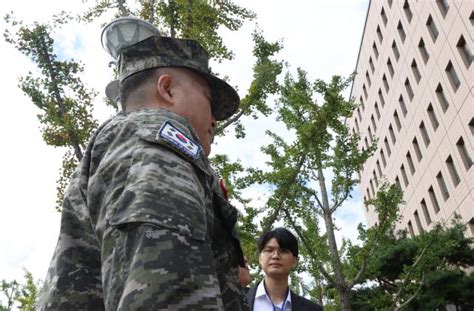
(43, 51)
(397, 296)
(228, 122)
(123, 10)
(422, 281)
(274, 216)
(308, 248)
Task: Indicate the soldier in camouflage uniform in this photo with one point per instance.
(144, 226)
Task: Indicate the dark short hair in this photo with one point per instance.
(133, 82)
(284, 237)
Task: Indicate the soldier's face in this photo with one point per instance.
(193, 101)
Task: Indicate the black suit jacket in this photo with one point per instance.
(298, 303)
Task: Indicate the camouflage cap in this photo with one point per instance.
(157, 51)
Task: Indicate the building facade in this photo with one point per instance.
(414, 82)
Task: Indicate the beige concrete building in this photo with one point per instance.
(414, 82)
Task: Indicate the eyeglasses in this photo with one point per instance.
(268, 251)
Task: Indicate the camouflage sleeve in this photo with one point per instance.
(155, 247)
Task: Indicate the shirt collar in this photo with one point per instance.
(261, 293)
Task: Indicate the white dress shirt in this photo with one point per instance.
(264, 303)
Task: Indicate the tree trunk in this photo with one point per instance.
(339, 279)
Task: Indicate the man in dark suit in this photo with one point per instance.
(278, 256)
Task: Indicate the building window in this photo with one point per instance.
(423, 51)
(379, 34)
(372, 188)
(375, 178)
(424, 208)
(452, 76)
(361, 101)
(365, 91)
(432, 28)
(368, 78)
(379, 169)
(471, 18)
(385, 83)
(373, 123)
(471, 225)
(381, 98)
(395, 50)
(370, 135)
(442, 186)
(357, 125)
(401, 32)
(418, 222)
(377, 111)
(433, 199)
(465, 52)
(371, 64)
(397, 121)
(424, 134)
(409, 89)
(384, 17)
(397, 182)
(411, 165)
(390, 3)
(410, 229)
(382, 156)
(366, 143)
(417, 149)
(452, 171)
(465, 157)
(404, 175)
(443, 6)
(403, 107)
(392, 134)
(376, 52)
(390, 67)
(471, 126)
(368, 194)
(359, 114)
(432, 116)
(416, 72)
(387, 146)
(406, 9)
(443, 102)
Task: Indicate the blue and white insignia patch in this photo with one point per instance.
(178, 139)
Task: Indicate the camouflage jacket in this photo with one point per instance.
(142, 227)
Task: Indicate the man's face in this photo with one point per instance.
(276, 262)
(193, 101)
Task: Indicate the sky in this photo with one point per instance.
(320, 36)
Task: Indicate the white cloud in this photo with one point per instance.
(320, 36)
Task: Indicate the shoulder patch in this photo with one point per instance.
(169, 133)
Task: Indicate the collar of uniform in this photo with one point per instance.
(261, 293)
(149, 122)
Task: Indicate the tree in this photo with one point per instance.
(420, 273)
(297, 171)
(22, 295)
(64, 103)
(10, 291)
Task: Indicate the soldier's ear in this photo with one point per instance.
(163, 89)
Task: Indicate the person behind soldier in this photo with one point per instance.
(278, 250)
